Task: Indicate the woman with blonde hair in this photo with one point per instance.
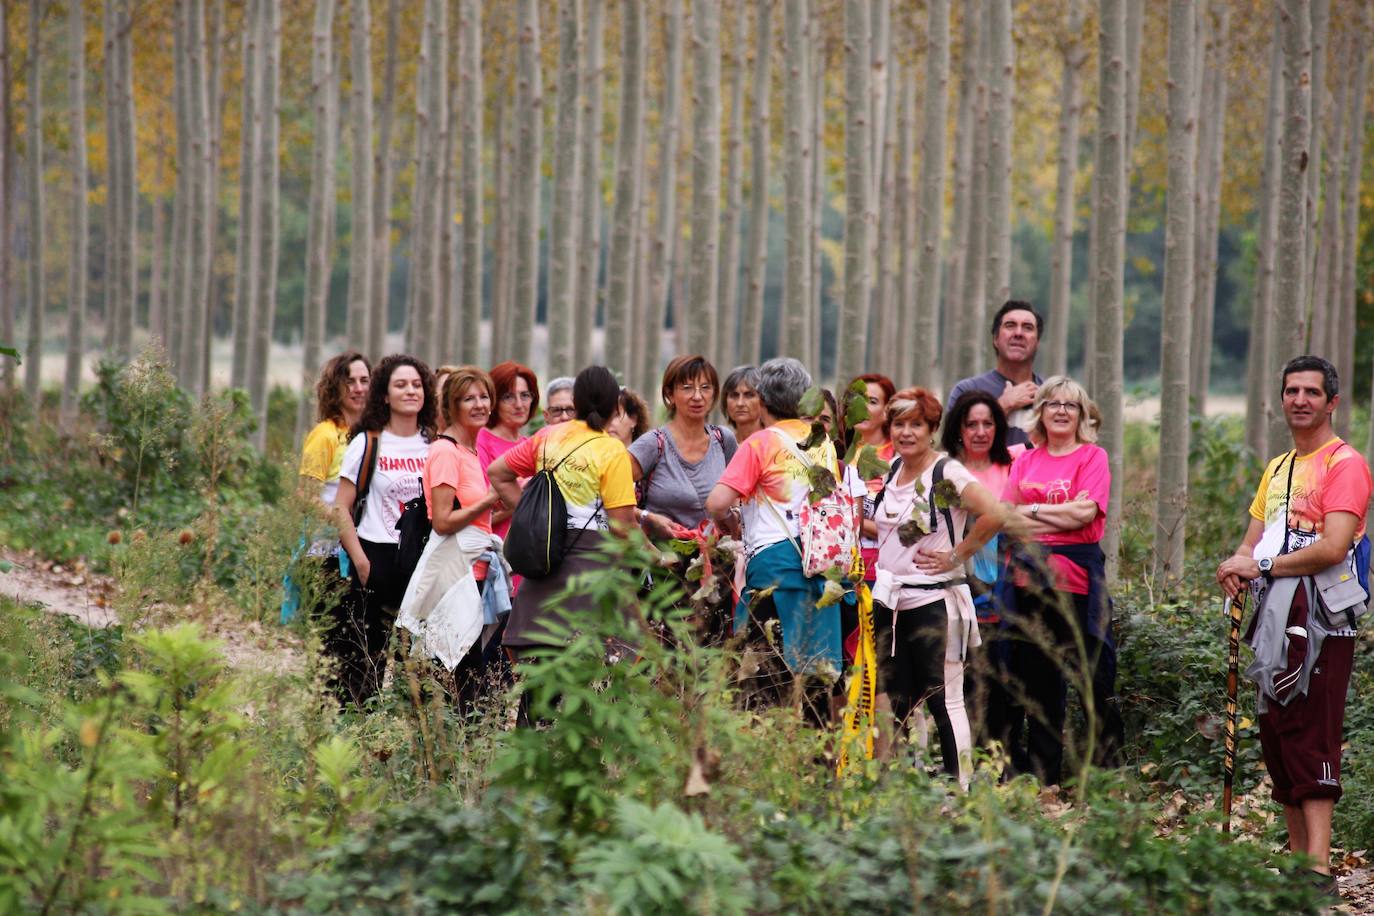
(1061, 489)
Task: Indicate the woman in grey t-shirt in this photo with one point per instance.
(677, 465)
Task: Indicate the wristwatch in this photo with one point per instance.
(1266, 568)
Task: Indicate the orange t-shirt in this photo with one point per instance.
(455, 466)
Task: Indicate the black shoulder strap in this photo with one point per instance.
(937, 475)
(891, 473)
(448, 438)
(371, 446)
(643, 490)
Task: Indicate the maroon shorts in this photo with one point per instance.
(1302, 741)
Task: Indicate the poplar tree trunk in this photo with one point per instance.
(662, 258)
(529, 117)
(181, 259)
(268, 168)
(248, 248)
(1319, 12)
(470, 176)
(880, 52)
(563, 220)
(424, 325)
(127, 240)
(795, 315)
(1354, 167)
(1171, 507)
(588, 281)
(925, 324)
(360, 256)
(1001, 89)
(971, 341)
(120, 217)
(1258, 382)
(701, 312)
(214, 129)
(191, 365)
(815, 104)
(322, 200)
(908, 337)
(728, 293)
(78, 267)
(1074, 55)
(1111, 206)
(385, 169)
(629, 158)
(38, 292)
(6, 203)
(1290, 284)
(156, 267)
(882, 356)
(964, 135)
(760, 146)
(1211, 147)
(858, 188)
(1325, 329)
(503, 224)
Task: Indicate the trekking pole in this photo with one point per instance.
(1235, 608)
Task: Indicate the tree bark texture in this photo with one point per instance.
(851, 332)
(795, 315)
(951, 323)
(470, 177)
(1258, 382)
(1290, 285)
(38, 291)
(563, 220)
(1346, 289)
(1111, 205)
(1074, 56)
(322, 200)
(7, 296)
(663, 254)
(727, 294)
(971, 340)
(529, 117)
(1211, 147)
(191, 363)
(503, 223)
(268, 168)
(701, 313)
(1319, 12)
(909, 249)
(620, 299)
(760, 145)
(1171, 508)
(78, 267)
(926, 309)
(248, 249)
(1325, 313)
(360, 256)
(1001, 89)
(588, 285)
(385, 169)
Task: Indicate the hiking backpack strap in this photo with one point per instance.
(892, 470)
(366, 471)
(937, 475)
(642, 495)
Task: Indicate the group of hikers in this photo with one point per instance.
(965, 532)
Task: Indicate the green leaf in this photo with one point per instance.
(856, 404)
(909, 532)
(821, 482)
(816, 438)
(870, 465)
(11, 352)
(812, 402)
(945, 495)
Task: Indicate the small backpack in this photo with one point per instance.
(828, 527)
(937, 474)
(538, 536)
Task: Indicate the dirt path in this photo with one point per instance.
(76, 592)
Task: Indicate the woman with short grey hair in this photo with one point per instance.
(781, 383)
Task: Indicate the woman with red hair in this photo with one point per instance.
(923, 617)
(517, 398)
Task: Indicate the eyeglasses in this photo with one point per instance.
(511, 396)
(561, 411)
(1067, 406)
(687, 389)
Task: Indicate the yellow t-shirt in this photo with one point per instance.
(322, 456)
(598, 468)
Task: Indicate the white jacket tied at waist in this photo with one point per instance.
(442, 607)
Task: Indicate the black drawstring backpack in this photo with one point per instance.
(538, 536)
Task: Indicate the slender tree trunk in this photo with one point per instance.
(815, 257)
(881, 357)
(1135, 36)
(561, 298)
(620, 303)
(909, 249)
(1258, 382)
(964, 136)
(588, 285)
(880, 53)
(760, 146)
(503, 225)
(1325, 322)
(250, 125)
(858, 187)
(157, 266)
(38, 292)
(1074, 55)
(529, 118)
(1319, 12)
(113, 199)
(1290, 285)
(701, 311)
(182, 239)
(127, 239)
(932, 203)
(385, 169)
(971, 338)
(268, 170)
(424, 323)
(470, 176)
(1111, 204)
(728, 292)
(1211, 146)
(1001, 89)
(78, 268)
(1354, 167)
(1171, 510)
(796, 292)
(214, 135)
(663, 255)
(196, 306)
(6, 202)
(360, 255)
(322, 199)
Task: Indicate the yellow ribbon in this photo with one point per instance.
(863, 686)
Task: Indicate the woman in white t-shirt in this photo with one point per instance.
(923, 619)
(399, 417)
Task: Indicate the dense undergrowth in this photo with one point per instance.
(138, 773)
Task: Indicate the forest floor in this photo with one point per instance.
(76, 592)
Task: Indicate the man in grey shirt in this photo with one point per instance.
(1016, 332)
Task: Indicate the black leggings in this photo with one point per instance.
(1038, 682)
(361, 628)
(915, 672)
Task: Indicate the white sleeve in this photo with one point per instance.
(351, 467)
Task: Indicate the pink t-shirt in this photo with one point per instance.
(994, 476)
(454, 466)
(490, 447)
(1050, 480)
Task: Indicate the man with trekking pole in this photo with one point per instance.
(1305, 558)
